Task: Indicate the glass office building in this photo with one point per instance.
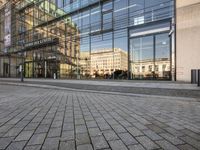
(115, 39)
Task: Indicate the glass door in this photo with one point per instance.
(162, 56)
(150, 57)
(142, 57)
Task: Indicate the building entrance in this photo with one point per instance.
(150, 57)
(6, 68)
(41, 69)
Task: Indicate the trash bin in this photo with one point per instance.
(194, 76)
(198, 84)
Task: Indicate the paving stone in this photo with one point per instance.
(37, 139)
(56, 124)
(174, 140)
(125, 123)
(79, 122)
(37, 119)
(140, 126)
(155, 128)
(166, 145)
(85, 147)
(67, 145)
(91, 124)
(104, 126)
(46, 121)
(81, 129)
(117, 145)
(119, 129)
(128, 139)
(31, 126)
(24, 136)
(147, 143)
(112, 121)
(191, 141)
(67, 135)
(4, 142)
(95, 132)
(68, 126)
(134, 131)
(21, 124)
(99, 142)
(14, 121)
(136, 147)
(174, 131)
(16, 145)
(33, 147)
(5, 128)
(110, 135)
(152, 135)
(159, 124)
(185, 147)
(51, 144)
(42, 129)
(13, 132)
(175, 125)
(191, 134)
(82, 138)
(54, 132)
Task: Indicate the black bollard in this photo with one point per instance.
(193, 76)
(198, 82)
(21, 70)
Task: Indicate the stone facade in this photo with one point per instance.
(187, 38)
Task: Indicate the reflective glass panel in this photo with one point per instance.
(142, 56)
(162, 56)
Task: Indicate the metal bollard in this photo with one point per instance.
(21, 73)
(193, 76)
(198, 82)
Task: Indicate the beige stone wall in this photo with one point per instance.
(188, 38)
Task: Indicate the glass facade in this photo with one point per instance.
(115, 39)
(150, 57)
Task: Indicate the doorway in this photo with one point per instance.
(6, 69)
(150, 57)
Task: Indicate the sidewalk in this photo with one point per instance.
(118, 83)
(33, 118)
(162, 88)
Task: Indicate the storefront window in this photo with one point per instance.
(162, 56)
(150, 57)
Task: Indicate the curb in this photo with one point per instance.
(101, 92)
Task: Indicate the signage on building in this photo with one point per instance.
(7, 26)
(40, 42)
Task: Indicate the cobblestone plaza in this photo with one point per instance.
(33, 118)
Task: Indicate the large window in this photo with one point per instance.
(107, 15)
(136, 12)
(95, 19)
(157, 9)
(150, 57)
(120, 13)
(162, 55)
(142, 53)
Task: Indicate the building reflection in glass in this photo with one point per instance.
(150, 57)
(51, 46)
(89, 38)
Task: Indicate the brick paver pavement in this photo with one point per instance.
(35, 118)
